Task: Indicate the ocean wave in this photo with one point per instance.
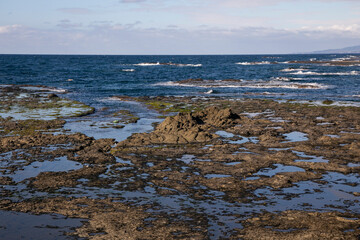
(254, 63)
(340, 65)
(187, 65)
(58, 90)
(292, 69)
(145, 64)
(128, 70)
(286, 79)
(44, 89)
(347, 58)
(343, 61)
(245, 84)
(277, 84)
(352, 73)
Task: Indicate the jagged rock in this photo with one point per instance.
(186, 128)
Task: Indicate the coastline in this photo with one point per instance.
(213, 168)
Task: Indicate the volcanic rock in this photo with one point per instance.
(186, 128)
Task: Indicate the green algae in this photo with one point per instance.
(40, 106)
(167, 107)
(160, 106)
(125, 117)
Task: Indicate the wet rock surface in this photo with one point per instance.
(301, 225)
(187, 128)
(212, 169)
(22, 102)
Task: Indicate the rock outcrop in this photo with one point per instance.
(186, 128)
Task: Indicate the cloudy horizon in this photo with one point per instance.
(177, 27)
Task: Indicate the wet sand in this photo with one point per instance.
(210, 169)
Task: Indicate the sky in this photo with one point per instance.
(177, 26)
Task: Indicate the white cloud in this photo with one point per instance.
(111, 38)
(352, 30)
(9, 28)
(342, 28)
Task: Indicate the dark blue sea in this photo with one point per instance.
(93, 78)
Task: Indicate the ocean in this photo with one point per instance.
(93, 78)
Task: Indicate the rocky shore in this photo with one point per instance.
(212, 169)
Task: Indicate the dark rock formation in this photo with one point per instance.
(186, 128)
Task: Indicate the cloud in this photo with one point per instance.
(355, 28)
(76, 11)
(115, 38)
(9, 28)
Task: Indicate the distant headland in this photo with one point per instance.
(352, 49)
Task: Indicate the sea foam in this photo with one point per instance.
(247, 84)
(146, 64)
(351, 73)
(253, 63)
(44, 89)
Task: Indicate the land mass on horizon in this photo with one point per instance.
(352, 49)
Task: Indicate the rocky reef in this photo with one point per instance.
(212, 169)
(186, 128)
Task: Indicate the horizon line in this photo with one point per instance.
(194, 54)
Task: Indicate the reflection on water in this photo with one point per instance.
(15, 225)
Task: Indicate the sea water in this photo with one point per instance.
(92, 79)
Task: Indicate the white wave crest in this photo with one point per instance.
(282, 79)
(58, 90)
(147, 64)
(128, 70)
(247, 84)
(292, 69)
(253, 63)
(188, 65)
(276, 84)
(44, 89)
(168, 64)
(352, 73)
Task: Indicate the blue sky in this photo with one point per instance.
(177, 27)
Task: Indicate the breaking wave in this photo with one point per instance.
(44, 89)
(254, 63)
(246, 84)
(188, 65)
(167, 64)
(286, 79)
(147, 64)
(293, 69)
(352, 73)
